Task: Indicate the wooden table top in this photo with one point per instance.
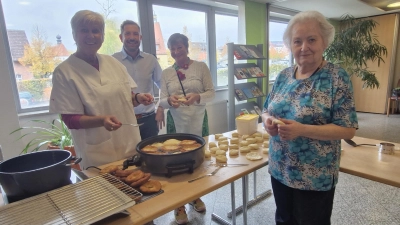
(367, 162)
(177, 190)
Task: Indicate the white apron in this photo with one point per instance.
(92, 92)
(189, 119)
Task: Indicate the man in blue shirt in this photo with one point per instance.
(145, 71)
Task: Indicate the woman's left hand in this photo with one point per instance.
(291, 130)
(145, 98)
(160, 117)
(192, 98)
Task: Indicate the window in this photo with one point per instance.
(190, 23)
(30, 33)
(279, 55)
(40, 41)
(226, 31)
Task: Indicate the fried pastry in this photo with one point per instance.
(188, 142)
(134, 176)
(171, 142)
(150, 149)
(171, 148)
(151, 186)
(109, 169)
(191, 147)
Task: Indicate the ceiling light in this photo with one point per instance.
(394, 4)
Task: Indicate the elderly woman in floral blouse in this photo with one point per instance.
(314, 99)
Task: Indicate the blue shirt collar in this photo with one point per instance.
(126, 56)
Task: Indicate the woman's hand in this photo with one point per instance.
(145, 98)
(174, 101)
(111, 123)
(191, 98)
(271, 128)
(291, 130)
(160, 117)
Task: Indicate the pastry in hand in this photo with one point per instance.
(182, 99)
(276, 121)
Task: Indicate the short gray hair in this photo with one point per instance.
(128, 22)
(86, 17)
(327, 29)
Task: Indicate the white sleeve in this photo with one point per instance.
(64, 97)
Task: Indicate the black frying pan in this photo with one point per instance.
(352, 143)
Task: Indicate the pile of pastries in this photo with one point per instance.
(134, 178)
(247, 144)
(171, 146)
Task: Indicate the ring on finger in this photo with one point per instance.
(112, 128)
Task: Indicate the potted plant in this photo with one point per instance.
(354, 45)
(52, 135)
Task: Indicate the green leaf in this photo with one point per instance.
(354, 45)
(43, 133)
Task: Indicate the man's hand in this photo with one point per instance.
(145, 98)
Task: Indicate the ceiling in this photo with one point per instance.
(333, 9)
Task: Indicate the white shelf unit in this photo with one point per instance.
(235, 105)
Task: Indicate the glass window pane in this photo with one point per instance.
(226, 31)
(40, 41)
(190, 23)
(279, 55)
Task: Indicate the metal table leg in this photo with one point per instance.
(246, 204)
(254, 201)
(245, 192)
(219, 219)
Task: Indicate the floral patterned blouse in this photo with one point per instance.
(324, 98)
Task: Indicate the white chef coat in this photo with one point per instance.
(79, 88)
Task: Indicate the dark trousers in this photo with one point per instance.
(298, 207)
(149, 128)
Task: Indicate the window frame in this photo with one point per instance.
(210, 12)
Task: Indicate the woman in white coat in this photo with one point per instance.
(186, 87)
(94, 95)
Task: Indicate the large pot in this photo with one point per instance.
(173, 163)
(35, 173)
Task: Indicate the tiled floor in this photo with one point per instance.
(358, 201)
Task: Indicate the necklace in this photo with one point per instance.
(181, 75)
(185, 66)
(319, 67)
